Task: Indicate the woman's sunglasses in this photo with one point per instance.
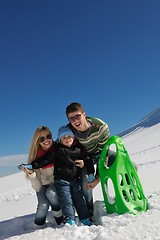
(42, 139)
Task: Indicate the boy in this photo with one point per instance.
(67, 175)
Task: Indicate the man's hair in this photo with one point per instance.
(74, 107)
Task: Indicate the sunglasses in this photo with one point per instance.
(76, 117)
(42, 139)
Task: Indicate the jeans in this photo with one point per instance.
(78, 199)
(63, 188)
(71, 196)
(87, 192)
(46, 197)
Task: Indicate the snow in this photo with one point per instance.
(18, 200)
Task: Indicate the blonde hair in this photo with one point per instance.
(35, 146)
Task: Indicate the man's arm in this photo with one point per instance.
(104, 136)
(94, 183)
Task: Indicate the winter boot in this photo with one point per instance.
(86, 222)
(71, 222)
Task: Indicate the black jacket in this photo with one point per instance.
(64, 158)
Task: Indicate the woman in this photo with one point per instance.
(42, 180)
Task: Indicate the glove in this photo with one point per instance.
(90, 178)
(28, 166)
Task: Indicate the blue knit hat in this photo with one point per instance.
(64, 130)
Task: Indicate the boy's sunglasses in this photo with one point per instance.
(76, 117)
(42, 139)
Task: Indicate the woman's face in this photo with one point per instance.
(45, 140)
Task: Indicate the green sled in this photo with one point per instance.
(121, 187)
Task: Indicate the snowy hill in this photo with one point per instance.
(148, 121)
(18, 200)
(8, 164)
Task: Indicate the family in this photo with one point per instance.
(64, 172)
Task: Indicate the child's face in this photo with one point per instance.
(67, 140)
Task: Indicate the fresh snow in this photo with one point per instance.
(18, 200)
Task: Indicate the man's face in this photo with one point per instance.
(78, 120)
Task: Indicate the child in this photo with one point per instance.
(67, 175)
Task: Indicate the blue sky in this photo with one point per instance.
(103, 54)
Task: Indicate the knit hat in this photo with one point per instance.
(64, 130)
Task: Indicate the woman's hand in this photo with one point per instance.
(79, 163)
(26, 170)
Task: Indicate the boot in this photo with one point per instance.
(86, 222)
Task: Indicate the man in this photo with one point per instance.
(92, 133)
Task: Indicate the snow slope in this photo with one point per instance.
(18, 200)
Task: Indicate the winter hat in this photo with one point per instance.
(64, 130)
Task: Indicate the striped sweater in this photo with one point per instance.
(95, 137)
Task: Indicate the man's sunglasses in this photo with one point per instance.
(76, 117)
(42, 139)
